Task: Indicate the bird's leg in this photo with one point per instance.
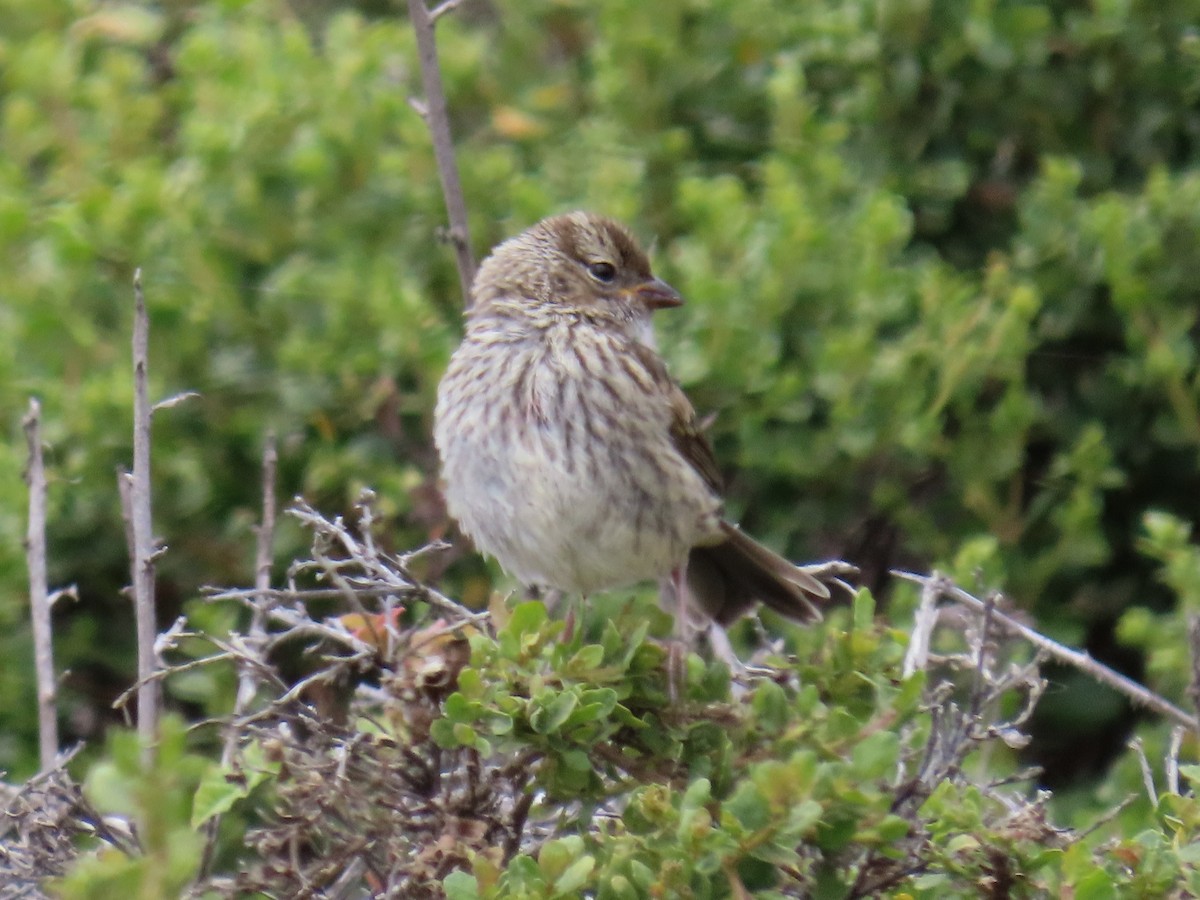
(569, 621)
(741, 674)
(718, 639)
(677, 654)
(552, 597)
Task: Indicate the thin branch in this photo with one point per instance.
(1172, 762)
(1105, 818)
(446, 6)
(266, 530)
(1136, 693)
(917, 656)
(250, 596)
(438, 121)
(162, 674)
(143, 536)
(172, 402)
(125, 492)
(247, 682)
(1193, 633)
(1144, 764)
(39, 599)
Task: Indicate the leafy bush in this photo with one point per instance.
(938, 266)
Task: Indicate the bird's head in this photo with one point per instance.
(574, 265)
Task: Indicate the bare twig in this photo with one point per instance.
(143, 536)
(959, 728)
(125, 491)
(1193, 632)
(446, 6)
(1106, 818)
(1172, 761)
(1139, 751)
(43, 825)
(1138, 694)
(162, 674)
(173, 401)
(247, 680)
(247, 650)
(917, 656)
(377, 569)
(438, 120)
(39, 599)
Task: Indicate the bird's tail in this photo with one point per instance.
(725, 580)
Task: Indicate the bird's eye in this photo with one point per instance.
(602, 271)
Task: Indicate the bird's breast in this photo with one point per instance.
(557, 461)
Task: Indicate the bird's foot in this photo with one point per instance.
(835, 572)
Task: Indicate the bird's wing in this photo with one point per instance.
(685, 431)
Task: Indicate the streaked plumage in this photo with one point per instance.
(568, 452)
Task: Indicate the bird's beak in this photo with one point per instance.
(657, 294)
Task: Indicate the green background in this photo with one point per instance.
(940, 262)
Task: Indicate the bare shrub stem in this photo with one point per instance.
(39, 595)
(143, 550)
(438, 120)
(1138, 694)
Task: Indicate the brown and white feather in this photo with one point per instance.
(569, 453)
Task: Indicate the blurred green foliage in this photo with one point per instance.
(939, 259)
(156, 798)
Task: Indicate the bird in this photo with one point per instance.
(569, 453)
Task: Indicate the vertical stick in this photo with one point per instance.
(266, 530)
(143, 536)
(39, 595)
(438, 121)
(1193, 630)
(256, 637)
(247, 683)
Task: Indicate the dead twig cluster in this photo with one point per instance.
(354, 808)
(42, 823)
(363, 794)
(968, 687)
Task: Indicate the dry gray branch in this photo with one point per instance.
(1138, 694)
(917, 656)
(143, 550)
(1178, 733)
(265, 538)
(1193, 633)
(438, 120)
(42, 824)
(446, 6)
(40, 601)
(967, 691)
(397, 812)
(173, 401)
(1139, 751)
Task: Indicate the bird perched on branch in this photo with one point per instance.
(568, 451)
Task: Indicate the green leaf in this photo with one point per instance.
(875, 756)
(770, 707)
(1096, 885)
(697, 795)
(588, 658)
(549, 718)
(527, 618)
(748, 807)
(216, 795)
(864, 610)
(460, 886)
(443, 733)
(575, 877)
